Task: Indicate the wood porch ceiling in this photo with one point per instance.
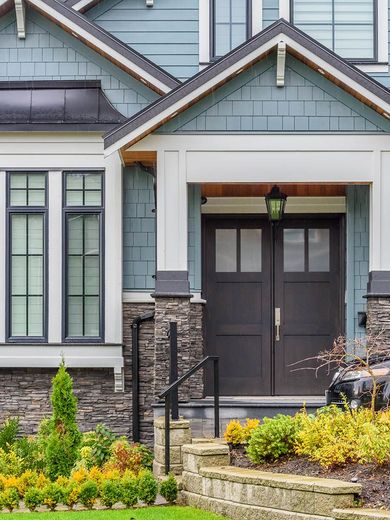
(259, 190)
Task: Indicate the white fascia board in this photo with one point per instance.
(145, 297)
(79, 32)
(82, 4)
(235, 69)
(50, 356)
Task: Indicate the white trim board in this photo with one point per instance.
(145, 297)
(256, 205)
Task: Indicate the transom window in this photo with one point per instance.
(348, 27)
(230, 22)
(27, 214)
(83, 256)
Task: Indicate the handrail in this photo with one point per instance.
(173, 386)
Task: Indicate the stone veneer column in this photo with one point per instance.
(378, 304)
(180, 434)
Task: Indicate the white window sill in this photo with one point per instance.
(50, 356)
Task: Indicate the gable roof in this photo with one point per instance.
(299, 44)
(105, 44)
(56, 105)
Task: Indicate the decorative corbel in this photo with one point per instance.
(281, 64)
(20, 11)
(149, 3)
(119, 380)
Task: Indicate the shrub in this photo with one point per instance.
(100, 442)
(33, 498)
(273, 439)
(146, 455)
(72, 494)
(333, 437)
(27, 480)
(233, 433)
(147, 488)
(248, 429)
(127, 457)
(63, 441)
(10, 499)
(88, 494)
(168, 489)
(10, 462)
(30, 450)
(9, 432)
(110, 493)
(53, 494)
(129, 491)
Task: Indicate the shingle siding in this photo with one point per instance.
(48, 53)
(253, 103)
(167, 34)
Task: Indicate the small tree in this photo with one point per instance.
(357, 354)
(64, 436)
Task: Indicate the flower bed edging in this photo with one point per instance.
(208, 482)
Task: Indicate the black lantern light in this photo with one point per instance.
(276, 203)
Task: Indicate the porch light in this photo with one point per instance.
(276, 202)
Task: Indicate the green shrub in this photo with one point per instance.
(168, 489)
(146, 455)
(33, 498)
(10, 499)
(129, 491)
(273, 439)
(147, 488)
(128, 457)
(88, 494)
(100, 442)
(53, 494)
(72, 494)
(9, 432)
(63, 440)
(31, 452)
(110, 493)
(10, 462)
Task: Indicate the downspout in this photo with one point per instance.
(137, 322)
(135, 370)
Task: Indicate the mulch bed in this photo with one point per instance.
(374, 480)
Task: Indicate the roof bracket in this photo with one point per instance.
(281, 64)
(20, 11)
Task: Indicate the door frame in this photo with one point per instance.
(340, 217)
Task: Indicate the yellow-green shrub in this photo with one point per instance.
(248, 428)
(233, 433)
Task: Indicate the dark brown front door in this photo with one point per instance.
(257, 339)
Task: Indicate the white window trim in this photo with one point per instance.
(204, 28)
(382, 35)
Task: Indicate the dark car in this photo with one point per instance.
(354, 385)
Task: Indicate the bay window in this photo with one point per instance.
(83, 221)
(27, 215)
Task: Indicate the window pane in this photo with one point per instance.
(74, 181)
(19, 275)
(18, 180)
(35, 313)
(238, 35)
(93, 198)
(222, 11)
(226, 250)
(321, 33)
(92, 275)
(36, 197)
(319, 250)
(222, 39)
(75, 235)
(307, 11)
(35, 275)
(75, 316)
(250, 250)
(91, 316)
(84, 189)
(18, 198)
(354, 41)
(93, 181)
(19, 234)
(19, 316)
(294, 250)
(35, 234)
(36, 180)
(91, 239)
(239, 11)
(75, 275)
(74, 198)
(354, 11)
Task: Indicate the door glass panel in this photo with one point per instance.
(294, 250)
(250, 250)
(225, 250)
(319, 250)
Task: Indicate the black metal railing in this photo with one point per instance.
(171, 393)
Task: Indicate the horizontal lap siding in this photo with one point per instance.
(167, 34)
(48, 53)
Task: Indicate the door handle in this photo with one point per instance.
(277, 323)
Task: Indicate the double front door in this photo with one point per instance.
(273, 301)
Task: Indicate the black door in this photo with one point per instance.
(264, 315)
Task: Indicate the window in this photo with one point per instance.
(348, 27)
(230, 23)
(83, 221)
(27, 215)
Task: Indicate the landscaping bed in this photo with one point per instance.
(374, 479)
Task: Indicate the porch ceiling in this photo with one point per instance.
(259, 190)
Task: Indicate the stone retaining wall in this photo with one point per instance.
(208, 482)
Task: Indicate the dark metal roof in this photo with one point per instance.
(56, 105)
(107, 38)
(207, 74)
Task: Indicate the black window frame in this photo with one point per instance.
(213, 56)
(83, 210)
(26, 210)
(356, 61)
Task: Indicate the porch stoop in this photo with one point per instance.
(200, 412)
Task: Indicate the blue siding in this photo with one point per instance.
(50, 53)
(270, 12)
(252, 103)
(167, 34)
(357, 256)
(139, 232)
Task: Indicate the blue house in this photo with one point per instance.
(139, 141)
